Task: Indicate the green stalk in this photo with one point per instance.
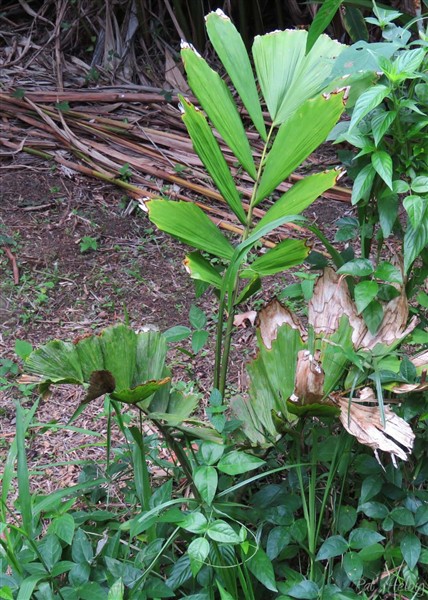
(219, 342)
(312, 528)
(182, 458)
(299, 472)
(229, 579)
(25, 499)
(151, 566)
(222, 359)
(245, 581)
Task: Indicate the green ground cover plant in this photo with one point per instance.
(312, 485)
(389, 129)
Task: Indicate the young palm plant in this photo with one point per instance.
(299, 118)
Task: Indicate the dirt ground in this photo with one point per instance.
(64, 290)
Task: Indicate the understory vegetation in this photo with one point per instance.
(312, 482)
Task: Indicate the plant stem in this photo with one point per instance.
(224, 342)
(181, 455)
(219, 342)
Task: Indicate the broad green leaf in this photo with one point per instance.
(420, 184)
(208, 150)
(347, 230)
(333, 546)
(23, 349)
(388, 272)
(381, 123)
(354, 23)
(50, 550)
(285, 255)
(374, 510)
(194, 522)
(416, 207)
(409, 61)
(299, 196)
(382, 164)
(27, 586)
(359, 267)
(367, 102)
(189, 224)
(321, 21)
(63, 527)
(224, 594)
(199, 339)
(335, 352)
(206, 479)
(363, 184)
(6, 592)
(217, 101)
(180, 572)
(370, 487)
(272, 379)
(262, 569)
(200, 268)
(251, 425)
(400, 186)
(154, 588)
(360, 538)
(353, 566)
(297, 139)
(81, 550)
(365, 292)
(91, 357)
(415, 240)
(228, 44)
(236, 462)
(372, 552)
(315, 409)
(421, 515)
(387, 205)
(160, 494)
(411, 548)
(180, 407)
(252, 287)
(121, 361)
(140, 393)
(150, 357)
(220, 531)
(287, 76)
(211, 452)
(346, 519)
(177, 333)
(197, 317)
(306, 590)
(56, 361)
(361, 56)
(373, 316)
(198, 551)
(278, 539)
(402, 516)
(116, 591)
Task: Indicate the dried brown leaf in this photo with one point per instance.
(173, 75)
(364, 423)
(393, 326)
(245, 319)
(272, 316)
(421, 360)
(309, 379)
(330, 301)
